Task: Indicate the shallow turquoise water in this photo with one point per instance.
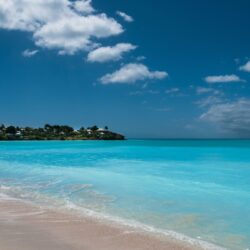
(200, 188)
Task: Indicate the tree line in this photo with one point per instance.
(57, 132)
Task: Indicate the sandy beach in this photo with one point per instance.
(27, 227)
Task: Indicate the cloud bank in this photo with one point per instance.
(231, 116)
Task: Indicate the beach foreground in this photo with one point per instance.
(27, 227)
(196, 191)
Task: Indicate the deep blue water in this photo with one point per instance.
(200, 188)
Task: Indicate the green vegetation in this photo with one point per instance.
(57, 132)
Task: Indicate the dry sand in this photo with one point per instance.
(27, 227)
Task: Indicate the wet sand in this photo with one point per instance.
(27, 227)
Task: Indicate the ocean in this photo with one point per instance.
(192, 189)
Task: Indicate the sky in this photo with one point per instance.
(147, 69)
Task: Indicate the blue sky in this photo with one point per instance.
(157, 69)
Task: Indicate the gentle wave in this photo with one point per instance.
(140, 226)
(117, 221)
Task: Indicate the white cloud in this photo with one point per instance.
(58, 24)
(29, 15)
(105, 54)
(245, 67)
(223, 79)
(231, 116)
(131, 73)
(29, 53)
(74, 34)
(125, 16)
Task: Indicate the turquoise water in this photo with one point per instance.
(199, 188)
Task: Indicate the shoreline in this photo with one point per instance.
(84, 139)
(26, 226)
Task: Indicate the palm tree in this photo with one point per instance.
(94, 128)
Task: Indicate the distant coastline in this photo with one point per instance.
(57, 132)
